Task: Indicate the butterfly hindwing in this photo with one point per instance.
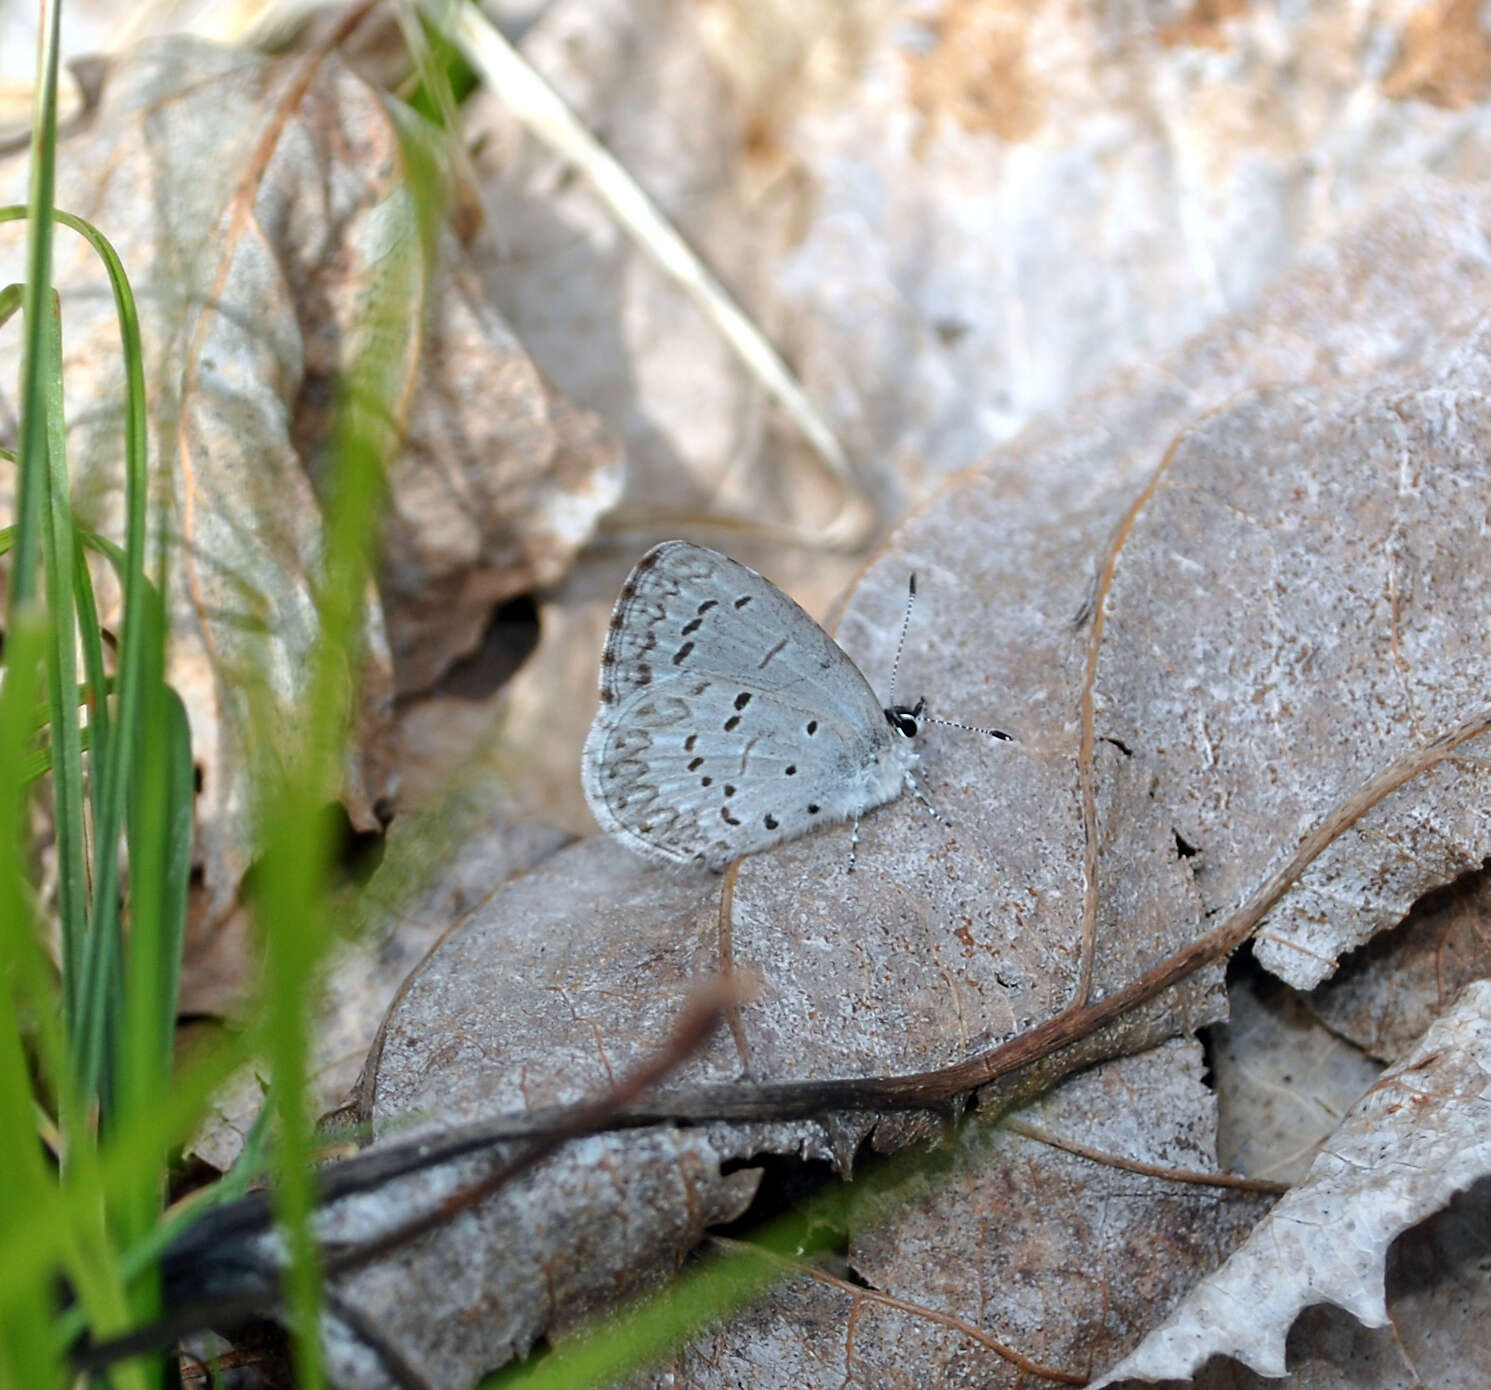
(729, 719)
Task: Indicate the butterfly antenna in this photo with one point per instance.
(895, 668)
(971, 728)
(920, 712)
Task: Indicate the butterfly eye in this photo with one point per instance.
(903, 720)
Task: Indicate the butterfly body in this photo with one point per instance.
(729, 720)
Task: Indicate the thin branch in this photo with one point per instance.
(699, 1020)
(1095, 611)
(1149, 1170)
(919, 1310)
(944, 1088)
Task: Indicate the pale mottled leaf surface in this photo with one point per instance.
(1419, 1137)
(1058, 1257)
(944, 942)
(1438, 1304)
(1301, 601)
(1283, 1081)
(1388, 992)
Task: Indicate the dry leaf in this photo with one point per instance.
(1283, 1082)
(256, 204)
(1058, 1258)
(586, 992)
(1438, 1304)
(1317, 562)
(1252, 560)
(1387, 993)
(1420, 1136)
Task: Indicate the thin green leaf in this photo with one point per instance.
(25, 1355)
(160, 839)
(99, 686)
(33, 450)
(67, 758)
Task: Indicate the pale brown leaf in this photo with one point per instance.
(260, 206)
(1121, 824)
(1421, 1135)
(1058, 1258)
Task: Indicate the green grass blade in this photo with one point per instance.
(67, 757)
(99, 686)
(160, 839)
(33, 448)
(112, 770)
(25, 1295)
(292, 906)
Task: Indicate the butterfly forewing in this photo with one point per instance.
(729, 719)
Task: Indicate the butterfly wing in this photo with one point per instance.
(729, 719)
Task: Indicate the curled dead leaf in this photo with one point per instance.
(259, 206)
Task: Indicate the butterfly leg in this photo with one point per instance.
(853, 841)
(921, 796)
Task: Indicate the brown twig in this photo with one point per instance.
(1149, 1170)
(788, 1100)
(1086, 780)
(920, 1310)
(703, 1014)
(726, 920)
(699, 1020)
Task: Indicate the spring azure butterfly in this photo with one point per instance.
(729, 720)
